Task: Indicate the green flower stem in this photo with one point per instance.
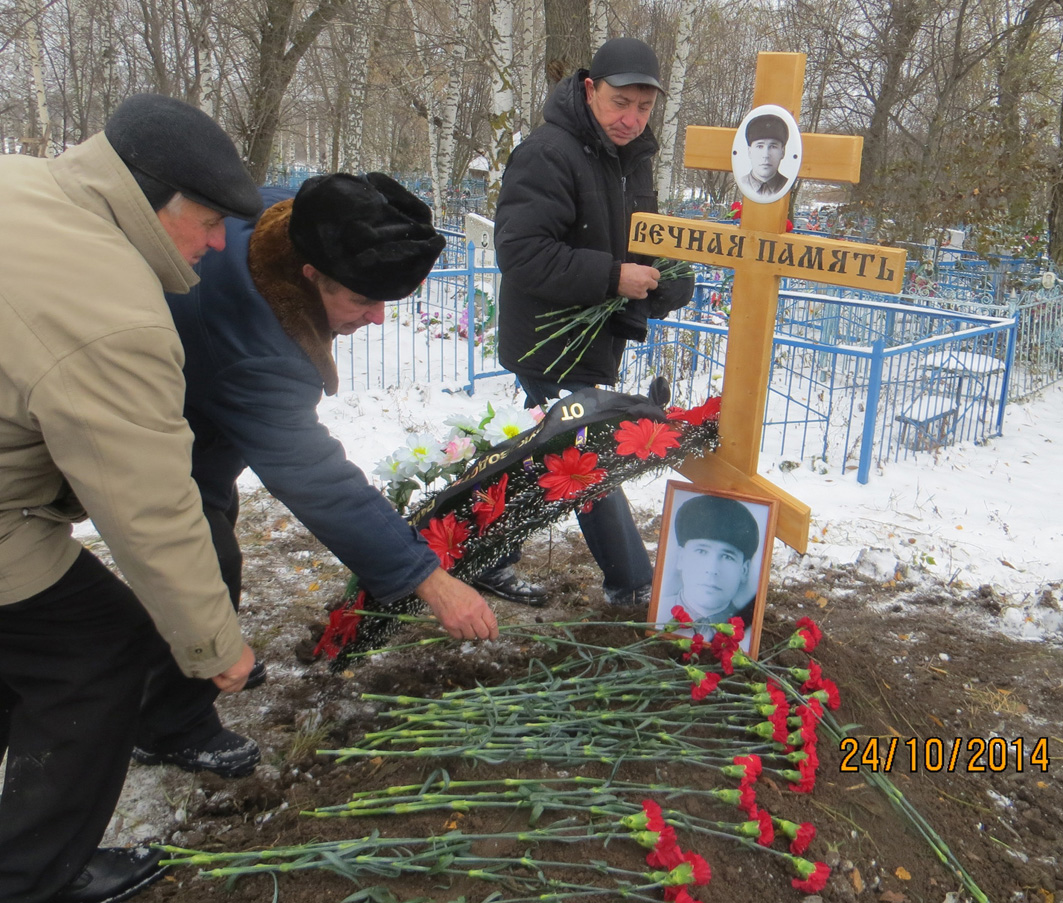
(835, 734)
(587, 322)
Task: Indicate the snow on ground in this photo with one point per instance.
(965, 516)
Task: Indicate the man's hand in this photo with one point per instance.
(636, 280)
(232, 680)
(461, 610)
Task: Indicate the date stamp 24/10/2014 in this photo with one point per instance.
(950, 754)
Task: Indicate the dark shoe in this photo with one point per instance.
(113, 874)
(257, 677)
(505, 584)
(637, 598)
(226, 754)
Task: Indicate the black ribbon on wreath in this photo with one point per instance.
(588, 444)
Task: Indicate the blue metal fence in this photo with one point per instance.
(854, 382)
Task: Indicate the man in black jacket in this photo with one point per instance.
(561, 236)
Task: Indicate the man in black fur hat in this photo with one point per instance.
(258, 334)
(91, 394)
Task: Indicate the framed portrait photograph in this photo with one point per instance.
(766, 154)
(714, 559)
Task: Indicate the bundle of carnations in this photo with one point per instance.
(642, 714)
(586, 446)
(662, 700)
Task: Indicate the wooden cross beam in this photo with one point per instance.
(760, 251)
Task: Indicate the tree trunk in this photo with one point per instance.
(905, 20)
(1055, 205)
(568, 38)
(38, 141)
(281, 46)
(502, 99)
(676, 81)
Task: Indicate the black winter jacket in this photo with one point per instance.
(561, 234)
(251, 400)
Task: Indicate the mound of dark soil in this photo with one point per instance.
(911, 667)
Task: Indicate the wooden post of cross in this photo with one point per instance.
(761, 251)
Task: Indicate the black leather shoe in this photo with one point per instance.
(632, 598)
(113, 874)
(226, 754)
(257, 677)
(505, 584)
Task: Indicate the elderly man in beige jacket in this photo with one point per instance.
(91, 395)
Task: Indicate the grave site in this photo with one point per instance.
(883, 740)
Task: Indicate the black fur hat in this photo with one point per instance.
(171, 146)
(367, 232)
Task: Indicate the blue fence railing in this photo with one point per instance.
(854, 381)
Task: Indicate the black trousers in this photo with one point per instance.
(178, 712)
(608, 527)
(72, 665)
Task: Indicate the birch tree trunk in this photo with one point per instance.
(502, 99)
(669, 136)
(459, 52)
(599, 23)
(38, 145)
(424, 58)
(359, 36)
(526, 55)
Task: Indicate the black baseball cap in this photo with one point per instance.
(627, 61)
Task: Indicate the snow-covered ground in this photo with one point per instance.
(966, 516)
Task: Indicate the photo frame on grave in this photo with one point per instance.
(766, 122)
(713, 559)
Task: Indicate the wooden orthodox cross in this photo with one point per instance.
(760, 251)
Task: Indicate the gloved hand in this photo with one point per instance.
(630, 321)
(670, 295)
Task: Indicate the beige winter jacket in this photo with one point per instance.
(91, 394)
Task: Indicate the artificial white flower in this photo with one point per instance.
(507, 423)
(419, 454)
(391, 470)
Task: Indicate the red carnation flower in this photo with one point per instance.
(654, 816)
(767, 829)
(807, 636)
(806, 833)
(710, 410)
(445, 536)
(747, 799)
(645, 438)
(342, 627)
(702, 872)
(702, 689)
(752, 765)
(679, 614)
(666, 855)
(807, 769)
(815, 882)
(571, 472)
(490, 503)
(694, 646)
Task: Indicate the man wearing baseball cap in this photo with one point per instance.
(258, 333)
(91, 395)
(561, 236)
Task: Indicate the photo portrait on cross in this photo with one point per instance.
(766, 154)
